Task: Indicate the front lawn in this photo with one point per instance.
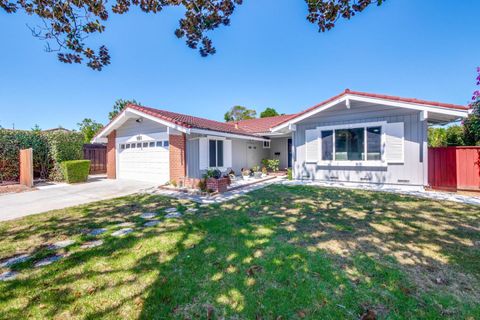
(282, 252)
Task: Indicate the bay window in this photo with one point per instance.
(351, 143)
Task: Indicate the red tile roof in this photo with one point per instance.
(188, 121)
(263, 125)
(379, 96)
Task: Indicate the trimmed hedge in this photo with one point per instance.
(76, 170)
(49, 149)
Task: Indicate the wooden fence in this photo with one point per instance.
(454, 168)
(97, 154)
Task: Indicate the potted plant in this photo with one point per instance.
(257, 174)
(245, 174)
(264, 172)
(215, 181)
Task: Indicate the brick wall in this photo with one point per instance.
(178, 166)
(111, 153)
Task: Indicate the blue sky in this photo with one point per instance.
(270, 56)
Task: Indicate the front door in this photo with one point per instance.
(252, 155)
(289, 152)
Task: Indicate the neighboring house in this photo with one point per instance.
(352, 137)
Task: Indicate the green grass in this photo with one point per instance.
(278, 253)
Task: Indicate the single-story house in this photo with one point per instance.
(353, 137)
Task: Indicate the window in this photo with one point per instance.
(165, 143)
(133, 145)
(139, 145)
(127, 146)
(266, 144)
(152, 144)
(215, 152)
(145, 144)
(122, 146)
(159, 143)
(351, 144)
(374, 143)
(327, 145)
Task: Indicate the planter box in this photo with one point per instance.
(217, 185)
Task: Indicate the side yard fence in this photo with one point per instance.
(97, 154)
(454, 168)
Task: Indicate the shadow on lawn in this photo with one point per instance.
(290, 252)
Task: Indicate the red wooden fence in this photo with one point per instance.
(97, 154)
(454, 168)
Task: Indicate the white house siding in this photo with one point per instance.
(240, 154)
(411, 172)
(279, 145)
(132, 127)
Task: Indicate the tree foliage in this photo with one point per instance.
(472, 123)
(238, 113)
(119, 105)
(66, 25)
(443, 137)
(268, 112)
(89, 128)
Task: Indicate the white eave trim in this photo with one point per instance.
(379, 101)
(226, 135)
(124, 115)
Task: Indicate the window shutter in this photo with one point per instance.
(394, 142)
(203, 153)
(227, 153)
(311, 145)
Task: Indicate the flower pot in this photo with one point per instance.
(217, 185)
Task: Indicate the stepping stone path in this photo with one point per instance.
(173, 215)
(126, 224)
(92, 244)
(148, 215)
(8, 275)
(192, 210)
(170, 210)
(47, 261)
(122, 232)
(151, 223)
(14, 260)
(97, 232)
(61, 244)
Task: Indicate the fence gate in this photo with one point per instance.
(454, 168)
(97, 154)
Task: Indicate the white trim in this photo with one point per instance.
(379, 101)
(120, 119)
(267, 146)
(226, 135)
(352, 163)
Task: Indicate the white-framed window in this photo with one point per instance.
(165, 143)
(122, 146)
(266, 144)
(352, 144)
(151, 144)
(215, 153)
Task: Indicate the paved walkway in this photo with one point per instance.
(59, 196)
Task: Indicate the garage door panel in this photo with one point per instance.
(145, 164)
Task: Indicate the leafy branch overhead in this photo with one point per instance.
(67, 24)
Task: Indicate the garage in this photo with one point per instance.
(144, 158)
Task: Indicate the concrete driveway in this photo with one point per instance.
(53, 197)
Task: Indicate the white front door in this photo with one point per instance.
(252, 155)
(144, 160)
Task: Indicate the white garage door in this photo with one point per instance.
(144, 160)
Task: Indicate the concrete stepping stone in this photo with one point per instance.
(97, 232)
(61, 244)
(125, 224)
(91, 244)
(175, 214)
(148, 215)
(193, 210)
(8, 275)
(170, 210)
(122, 232)
(48, 261)
(14, 260)
(151, 223)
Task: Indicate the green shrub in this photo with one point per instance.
(289, 174)
(63, 146)
(75, 170)
(271, 164)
